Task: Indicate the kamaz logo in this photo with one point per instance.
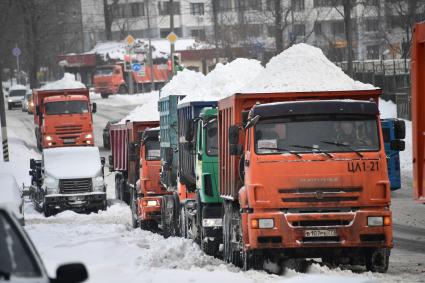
(319, 195)
(319, 180)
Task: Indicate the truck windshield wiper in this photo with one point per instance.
(344, 145)
(282, 149)
(313, 148)
(5, 275)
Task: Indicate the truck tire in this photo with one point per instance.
(183, 222)
(230, 254)
(104, 95)
(252, 260)
(166, 207)
(117, 186)
(377, 260)
(9, 106)
(47, 211)
(123, 89)
(209, 247)
(134, 210)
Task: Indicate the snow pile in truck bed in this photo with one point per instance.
(225, 80)
(67, 82)
(186, 82)
(148, 111)
(303, 68)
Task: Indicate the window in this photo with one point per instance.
(198, 33)
(372, 3)
(318, 28)
(297, 5)
(270, 5)
(212, 137)
(372, 52)
(299, 30)
(371, 25)
(165, 31)
(66, 107)
(164, 8)
(326, 3)
(130, 10)
(254, 5)
(225, 5)
(152, 150)
(137, 9)
(196, 9)
(337, 27)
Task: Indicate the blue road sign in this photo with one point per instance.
(136, 67)
(16, 52)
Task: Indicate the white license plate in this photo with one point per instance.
(320, 233)
(68, 140)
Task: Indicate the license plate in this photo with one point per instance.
(68, 140)
(320, 233)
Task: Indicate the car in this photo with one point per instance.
(15, 96)
(11, 196)
(26, 102)
(20, 261)
(106, 141)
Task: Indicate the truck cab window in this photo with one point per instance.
(66, 107)
(104, 72)
(212, 138)
(317, 133)
(152, 150)
(15, 256)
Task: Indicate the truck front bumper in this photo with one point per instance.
(317, 230)
(150, 208)
(67, 140)
(76, 202)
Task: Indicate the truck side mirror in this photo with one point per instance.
(398, 145)
(94, 107)
(188, 134)
(235, 149)
(102, 161)
(169, 155)
(111, 163)
(37, 110)
(251, 122)
(399, 129)
(32, 163)
(72, 273)
(233, 134)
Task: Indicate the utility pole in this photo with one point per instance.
(215, 19)
(171, 8)
(150, 47)
(3, 121)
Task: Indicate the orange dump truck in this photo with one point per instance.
(63, 118)
(304, 175)
(418, 111)
(150, 190)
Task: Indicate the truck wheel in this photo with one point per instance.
(252, 260)
(134, 209)
(104, 95)
(166, 214)
(122, 89)
(207, 246)
(47, 211)
(230, 254)
(377, 260)
(117, 187)
(183, 222)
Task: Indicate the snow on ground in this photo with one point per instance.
(67, 82)
(117, 100)
(303, 67)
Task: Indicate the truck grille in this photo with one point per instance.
(66, 130)
(320, 195)
(73, 186)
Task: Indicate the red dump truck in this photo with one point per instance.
(418, 111)
(304, 175)
(63, 118)
(125, 158)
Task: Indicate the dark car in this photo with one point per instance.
(19, 260)
(106, 141)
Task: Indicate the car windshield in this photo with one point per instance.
(17, 92)
(152, 150)
(318, 133)
(104, 71)
(66, 107)
(16, 258)
(212, 138)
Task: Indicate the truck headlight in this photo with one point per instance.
(98, 184)
(9, 100)
(150, 203)
(52, 186)
(88, 136)
(375, 221)
(262, 223)
(49, 138)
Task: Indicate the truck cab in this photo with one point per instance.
(63, 118)
(313, 183)
(110, 79)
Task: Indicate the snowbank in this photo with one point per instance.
(185, 82)
(67, 82)
(124, 99)
(225, 80)
(148, 111)
(303, 68)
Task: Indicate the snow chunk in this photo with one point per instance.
(387, 109)
(18, 87)
(65, 162)
(148, 111)
(186, 82)
(303, 68)
(225, 80)
(67, 82)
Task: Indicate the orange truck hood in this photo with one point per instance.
(82, 120)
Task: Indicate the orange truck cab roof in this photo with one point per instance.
(65, 97)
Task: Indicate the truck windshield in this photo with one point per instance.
(16, 258)
(66, 107)
(318, 133)
(104, 71)
(152, 150)
(212, 138)
(17, 92)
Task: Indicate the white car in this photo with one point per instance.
(11, 196)
(16, 96)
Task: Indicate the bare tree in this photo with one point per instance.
(108, 11)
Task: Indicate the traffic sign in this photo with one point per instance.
(136, 67)
(172, 37)
(130, 40)
(16, 52)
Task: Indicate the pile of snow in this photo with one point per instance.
(303, 68)
(387, 109)
(225, 80)
(148, 111)
(124, 99)
(67, 82)
(18, 87)
(186, 82)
